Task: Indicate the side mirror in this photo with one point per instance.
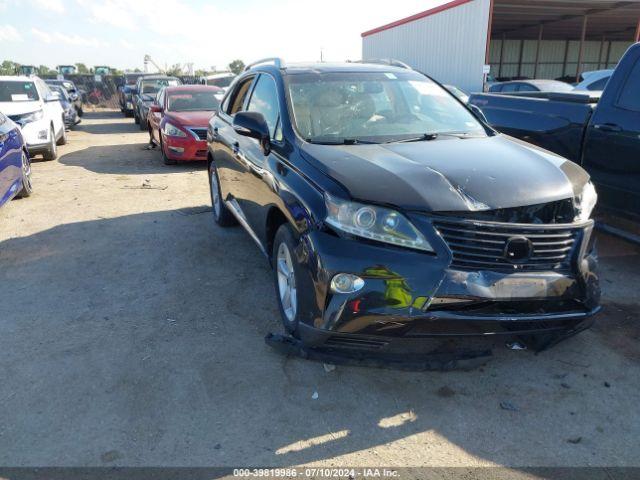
(253, 124)
(478, 113)
(156, 108)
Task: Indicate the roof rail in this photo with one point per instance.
(278, 62)
(385, 61)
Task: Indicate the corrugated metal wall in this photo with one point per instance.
(449, 46)
(557, 57)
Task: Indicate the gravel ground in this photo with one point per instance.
(131, 333)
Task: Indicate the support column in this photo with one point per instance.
(606, 65)
(504, 38)
(535, 67)
(520, 58)
(566, 56)
(581, 51)
(638, 31)
(600, 54)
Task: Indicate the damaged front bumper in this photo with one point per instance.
(414, 303)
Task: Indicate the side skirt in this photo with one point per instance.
(235, 209)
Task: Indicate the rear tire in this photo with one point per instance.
(221, 214)
(286, 277)
(51, 153)
(27, 187)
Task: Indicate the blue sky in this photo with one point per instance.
(207, 33)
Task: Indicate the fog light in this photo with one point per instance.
(177, 149)
(42, 134)
(346, 283)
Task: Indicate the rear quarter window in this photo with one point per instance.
(630, 95)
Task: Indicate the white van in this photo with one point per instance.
(30, 103)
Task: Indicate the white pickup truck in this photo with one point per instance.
(30, 103)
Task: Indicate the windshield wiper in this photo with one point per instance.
(434, 135)
(343, 141)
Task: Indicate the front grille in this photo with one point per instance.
(199, 133)
(481, 245)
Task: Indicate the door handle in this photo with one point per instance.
(608, 127)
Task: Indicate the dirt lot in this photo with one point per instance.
(131, 333)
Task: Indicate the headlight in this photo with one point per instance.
(375, 223)
(586, 202)
(173, 131)
(30, 117)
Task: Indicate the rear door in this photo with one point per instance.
(228, 146)
(612, 146)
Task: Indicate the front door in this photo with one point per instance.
(256, 191)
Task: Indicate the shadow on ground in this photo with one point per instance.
(122, 159)
(138, 340)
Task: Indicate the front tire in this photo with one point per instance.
(221, 214)
(136, 118)
(27, 187)
(63, 138)
(166, 160)
(51, 153)
(286, 276)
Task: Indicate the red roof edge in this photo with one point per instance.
(417, 16)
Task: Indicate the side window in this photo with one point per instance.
(525, 87)
(238, 97)
(630, 96)
(495, 88)
(265, 101)
(510, 87)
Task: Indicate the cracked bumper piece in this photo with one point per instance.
(414, 302)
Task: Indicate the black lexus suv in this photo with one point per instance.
(394, 217)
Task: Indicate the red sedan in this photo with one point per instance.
(179, 119)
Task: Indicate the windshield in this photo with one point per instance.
(375, 107)
(60, 91)
(18, 92)
(192, 101)
(154, 86)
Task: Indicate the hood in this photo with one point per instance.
(450, 174)
(192, 119)
(19, 108)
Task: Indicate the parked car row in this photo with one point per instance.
(34, 118)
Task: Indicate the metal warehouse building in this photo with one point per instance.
(455, 42)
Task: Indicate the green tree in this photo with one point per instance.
(44, 70)
(237, 66)
(8, 67)
(82, 68)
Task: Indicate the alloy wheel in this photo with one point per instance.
(286, 282)
(215, 192)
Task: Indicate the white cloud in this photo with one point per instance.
(8, 33)
(44, 37)
(50, 5)
(63, 38)
(126, 44)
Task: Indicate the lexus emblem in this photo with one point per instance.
(518, 249)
